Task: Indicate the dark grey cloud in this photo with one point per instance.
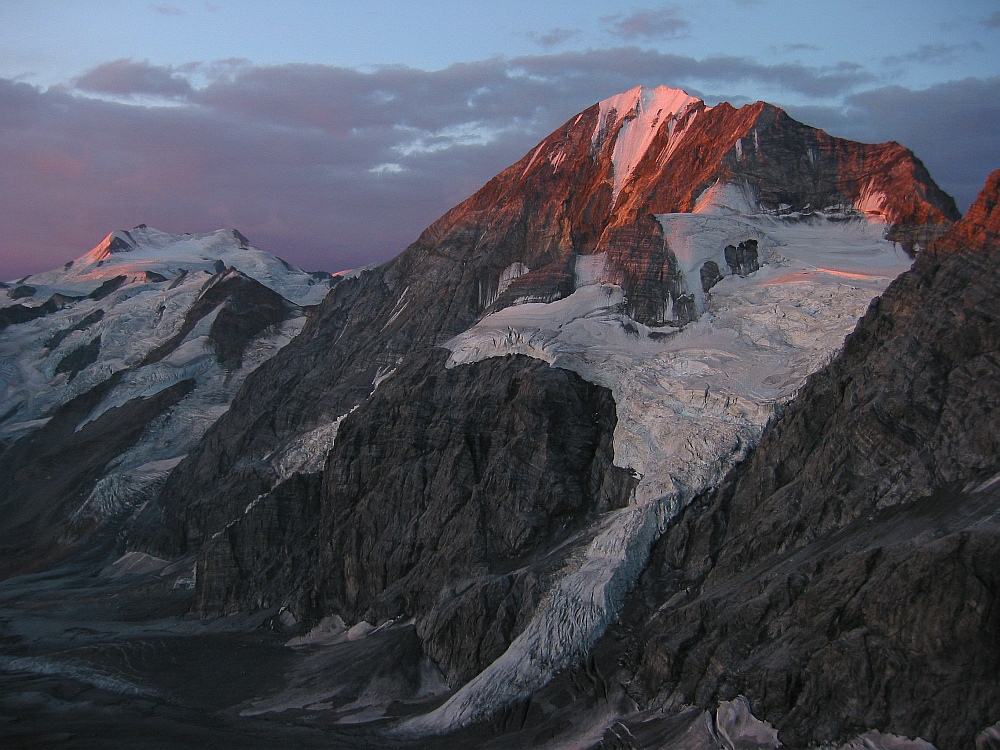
(335, 167)
(992, 21)
(128, 78)
(648, 66)
(554, 37)
(934, 54)
(648, 24)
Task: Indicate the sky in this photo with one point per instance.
(332, 133)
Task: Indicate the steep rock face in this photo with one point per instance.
(640, 261)
(442, 498)
(846, 576)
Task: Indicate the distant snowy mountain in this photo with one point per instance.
(144, 318)
(144, 255)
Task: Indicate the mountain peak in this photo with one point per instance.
(145, 253)
(649, 99)
(637, 115)
(118, 241)
(980, 227)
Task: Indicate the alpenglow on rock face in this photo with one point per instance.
(588, 254)
(464, 484)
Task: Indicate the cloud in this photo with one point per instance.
(554, 37)
(649, 24)
(992, 21)
(800, 47)
(334, 167)
(167, 10)
(934, 54)
(127, 78)
(626, 64)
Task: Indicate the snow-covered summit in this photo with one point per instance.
(643, 112)
(645, 100)
(145, 254)
(163, 326)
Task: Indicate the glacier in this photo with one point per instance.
(691, 401)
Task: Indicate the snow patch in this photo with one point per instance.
(124, 490)
(642, 112)
(737, 727)
(589, 269)
(507, 276)
(872, 203)
(306, 454)
(401, 304)
(134, 563)
(727, 198)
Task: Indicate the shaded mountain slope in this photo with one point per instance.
(846, 576)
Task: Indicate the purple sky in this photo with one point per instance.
(332, 135)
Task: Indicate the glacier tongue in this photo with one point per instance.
(571, 617)
(690, 401)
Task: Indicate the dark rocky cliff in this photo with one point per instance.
(846, 576)
(447, 497)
